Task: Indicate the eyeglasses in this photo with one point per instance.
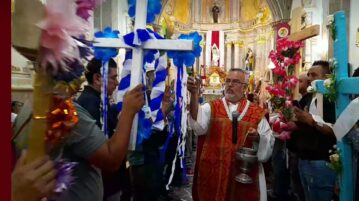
(234, 82)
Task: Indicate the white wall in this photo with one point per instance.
(354, 25)
(296, 4)
(120, 15)
(316, 47)
(17, 59)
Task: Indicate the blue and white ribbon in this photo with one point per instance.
(181, 59)
(105, 54)
(124, 84)
(157, 93)
(104, 96)
(152, 59)
(153, 8)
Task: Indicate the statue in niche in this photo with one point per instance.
(263, 15)
(215, 13)
(249, 60)
(215, 55)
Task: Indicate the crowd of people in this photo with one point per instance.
(286, 170)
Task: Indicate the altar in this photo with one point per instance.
(213, 83)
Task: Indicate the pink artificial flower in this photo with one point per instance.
(59, 26)
(291, 81)
(279, 72)
(84, 7)
(288, 61)
(297, 58)
(290, 126)
(288, 103)
(276, 126)
(277, 91)
(298, 44)
(285, 135)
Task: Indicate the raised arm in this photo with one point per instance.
(308, 119)
(110, 155)
(193, 86)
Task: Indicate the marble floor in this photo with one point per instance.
(183, 193)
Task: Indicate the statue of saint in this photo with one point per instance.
(215, 13)
(249, 61)
(215, 55)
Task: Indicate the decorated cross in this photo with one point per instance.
(138, 54)
(344, 87)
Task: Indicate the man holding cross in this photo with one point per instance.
(89, 148)
(216, 165)
(312, 141)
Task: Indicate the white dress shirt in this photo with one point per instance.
(266, 138)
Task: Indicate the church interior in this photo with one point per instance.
(235, 34)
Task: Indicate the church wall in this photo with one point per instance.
(316, 13)
(21, 79)
(260, 40)
(17, 60)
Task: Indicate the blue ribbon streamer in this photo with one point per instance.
(102, 53)
(105, 100)
(178, 107)
(187, 57)
(105, 54)
(153, 8)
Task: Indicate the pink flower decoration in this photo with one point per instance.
(285, 135)
(59, 26)
(84, 7)
(288, 61)
(288, 103)
(291, 81)
(279, 72)
(286, 55)
(276, 126)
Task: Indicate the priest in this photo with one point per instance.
(216, 165)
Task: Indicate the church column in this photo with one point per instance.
(242, 54)
(202, 56)
(229, 56)
(236, 55)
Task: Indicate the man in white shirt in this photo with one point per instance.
(216, 165)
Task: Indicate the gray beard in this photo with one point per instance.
(232, 98)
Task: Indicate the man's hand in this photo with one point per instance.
(303, 117)
(307, 118)
(193, 85)
(253, 134)
(34, 180)
(133, 100)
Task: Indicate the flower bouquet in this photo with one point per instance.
(284, 58)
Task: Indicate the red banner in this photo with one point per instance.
(282, 30)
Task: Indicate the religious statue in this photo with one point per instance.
(249, 60)
(215, 13)
(215, 55)
(263, 15)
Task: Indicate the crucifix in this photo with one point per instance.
(301, 34)
(138, 54)
(344, 86)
